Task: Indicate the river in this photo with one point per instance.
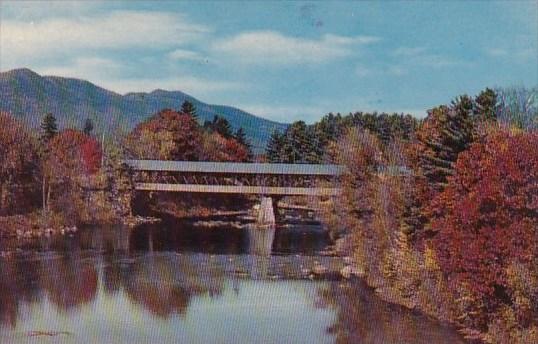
(176, 283)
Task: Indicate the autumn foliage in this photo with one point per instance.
(72, 150)
(172, 135)
(487, 217)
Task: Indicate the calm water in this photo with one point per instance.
(172, 283)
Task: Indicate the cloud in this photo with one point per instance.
(110, 74)
(181, 54)
(116, 30)
(422, 57)
(192, 85)
(271, 47)
(518, 54)
(363, 71)
(286, 113)
(84, 68)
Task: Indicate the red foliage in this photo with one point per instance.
(487, 217)
(218, 148)
(72, 149)
(91, 155)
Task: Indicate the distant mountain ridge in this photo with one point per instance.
(28, 96)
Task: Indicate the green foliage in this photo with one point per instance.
(302, 143)
(49, 128)
(88, 126)
(241, 138)
(219, 125)
(486, 105)
(188, 108)
(274, 147)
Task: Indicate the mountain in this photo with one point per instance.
(28, 96)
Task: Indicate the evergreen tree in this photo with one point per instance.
(485, 105)
(446, 132)
(88, 126)
(188, 108)
(219, 125)
(241, 138)
(49, 127)
(274, 147)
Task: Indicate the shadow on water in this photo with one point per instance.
(174, 282)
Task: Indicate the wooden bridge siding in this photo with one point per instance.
(239, 189)
(225, 179)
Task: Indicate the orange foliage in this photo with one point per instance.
(218, 148)
(72, 149)
(487, 217)
(171, 135)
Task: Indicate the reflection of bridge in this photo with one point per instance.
(235, 178)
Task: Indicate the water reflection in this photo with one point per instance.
(175, 283)
(152, 294)
(361, 317)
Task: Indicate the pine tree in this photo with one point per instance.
(219, 125)
(241, 138)
(274, 147)
(48, 127)
(446, 132)
(188, 108)
(485, 105)
(88, 126)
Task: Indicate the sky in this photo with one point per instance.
(281, 60)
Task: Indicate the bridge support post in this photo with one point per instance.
(266, 214)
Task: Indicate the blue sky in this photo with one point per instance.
(281, 60)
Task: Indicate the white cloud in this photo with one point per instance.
(84, 68)
(519, 54)
(363, 71)
(192, 85)
(286, 113)
(116, 30)
(422, 57)
(109, 74)
(181, 54)
(271, 47)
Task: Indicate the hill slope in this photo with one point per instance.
(28, 95)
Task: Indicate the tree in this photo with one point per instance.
(49, 127)
(446, 132)
(19, 167)
(218, 148)
(486, 219)
(188, 108)
(518, 106)
(219, 125)
(274, 147)
(167, 135)
(241, 138)
(485, 105)
(88, 126)
(72, 156)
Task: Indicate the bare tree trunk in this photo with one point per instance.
(43, 194)
(48, 198)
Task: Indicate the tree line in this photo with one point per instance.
(52, 171)
(453, 231)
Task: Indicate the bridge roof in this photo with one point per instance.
(234, 167)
